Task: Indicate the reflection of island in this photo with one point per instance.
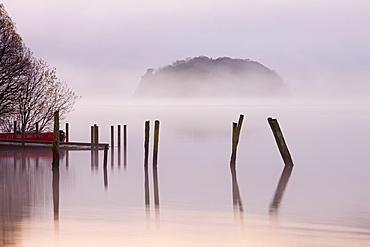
(207, 77)
(25, 182)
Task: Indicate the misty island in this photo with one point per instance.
(201, 76)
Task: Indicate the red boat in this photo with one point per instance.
(31, 136)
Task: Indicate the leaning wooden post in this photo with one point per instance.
(112, 136)
(146, 155)
(67, 132)
(56, 153)
(155, 159)
(279, 138)
(37, 131)
(15, 130)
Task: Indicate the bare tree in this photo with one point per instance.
(15, 60)
(39, 96)
(30, 91)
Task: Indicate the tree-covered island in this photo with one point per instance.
(216, 78)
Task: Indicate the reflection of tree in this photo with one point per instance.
(22, 186)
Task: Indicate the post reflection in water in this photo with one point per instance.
(112, 157)
(55, 170)
(237, 201)
(280, 189)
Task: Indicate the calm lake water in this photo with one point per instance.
(323, 201)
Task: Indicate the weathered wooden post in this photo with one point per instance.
(37, 131)
(67, 132)
(155, 162)
(96, 152)
(96, 136)
(146, 155)
(119, 136)
(15, 130)
(235, 138)
(279, 138)
(112, 136)
(92, 133)
(105, 165)
(92, 136)
(125, 145)
(56, 153)
(156, 141)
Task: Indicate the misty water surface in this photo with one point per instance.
(325, 203)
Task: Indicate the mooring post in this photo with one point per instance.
(156, 141)
(112, 136)
(92, 135)
(37, 131)
(125, 145)
(67, 132)
(119, 136)
(155, 162)
(96, 152)
(96, 135)
(15, 130)
(279, 138)
(146, 155)
(56, 153)
(235, 138)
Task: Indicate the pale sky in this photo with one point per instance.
(104, 47)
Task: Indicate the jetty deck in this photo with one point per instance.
(16, 144)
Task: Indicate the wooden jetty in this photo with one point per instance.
(16, 144)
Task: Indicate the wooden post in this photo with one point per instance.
(235, 138)
(92, 135)
(37, 131)
(23, 134)
(155, 145)
(96, 135)
(155, 159)
(67, 132)
(15, 130)
(125, 145)
(112, 136)
(96, 152)
(146, 155)
(119, 136)
(56, 153)
(279, 138)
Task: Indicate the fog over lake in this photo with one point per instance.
(320, 51)
(325, 201)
